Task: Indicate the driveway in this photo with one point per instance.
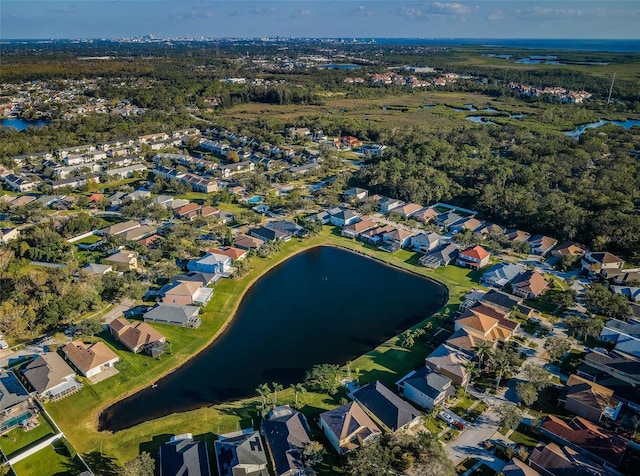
(119, 310)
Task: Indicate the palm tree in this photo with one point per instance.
(483, 350)
(297, 389)
(263, 390)
(276, 388)
(472, 372)
(503, 362)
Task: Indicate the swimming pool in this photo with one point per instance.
(13, 421)
(255, 199)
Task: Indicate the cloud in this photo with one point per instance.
(262, 11)
(301, 14)
(191, 15)
(434, 10)
(540, 12)
(360, 11)
(496, 15)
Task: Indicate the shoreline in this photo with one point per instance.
(98, 412)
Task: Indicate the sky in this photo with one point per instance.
(597, 19)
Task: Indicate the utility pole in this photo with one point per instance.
(611, 88)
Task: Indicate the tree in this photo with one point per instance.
(263, 390)
(472, 372)
(298, 388)
(536, 376)
(510, 416)
(408, 339)
(584, 327)
(323, 378)
(483, 351)
(89, 327)
(276, 388)
(556, 347)
(602, 301)
(503, 361)
(563, 300)
(527, 393)
(141, 465)
(313, 453)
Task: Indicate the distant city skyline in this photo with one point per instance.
(563, 19)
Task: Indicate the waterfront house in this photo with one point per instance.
(51, 377)
(440, 256)
(186, 293)
(374, 235)
(184, 456)
(268, 234)
(15, 402)
(174, 315)
(286, 433)
(348, 427)
(211, 263)
(90, 359)
(386, 408)
(246, 242)
(474, 257)
(355, 229)
(501, 274)
(425, 242)
(426, 388)
(529, 285)
(230, 251)
(241, 453)
(344, 218)
(288, 227)
(136, 337)
(396, 239)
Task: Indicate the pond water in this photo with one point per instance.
(22, 124)
(480, 119)
(325, 305)
(578, 131)
(339, 66)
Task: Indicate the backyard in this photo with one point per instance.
(18, 438)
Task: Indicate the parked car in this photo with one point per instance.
(459, 425)
(446, 417)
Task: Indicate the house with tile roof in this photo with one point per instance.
(184, 456)
(186, 293)
(374, 235)
(286, 433)
(514, 235)
(541, 245)
(241, 453)
(600, 262)
(470, 223)
(397, 239)
(348, 427)
(230, 251)
(603, 446)
(555, 460)
(387, 409)
(189, 211)
(90, 359)
(137, 336)
(488, 230)
(589, 399)
(51, 377)
(569, 248)
(467, 341)
(449, 362)
(425, 215)
(474, 257)
(355, 229)
(529, 285)
(408, 209)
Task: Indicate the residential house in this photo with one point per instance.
(631, 293)
(541, 245)
(621, 366)
(321, 217)
(356, 194)
(529, 285)
(184, 456)
(625, 335)
(396, 239)
(138, 233)
(51, 377)
(203, 278)
(348, 427)
(589, 399)
(22, 201)
(19, 183)
(90, 359)
(474, 257)
(625, 277)
(74, 182)
(162, 200)
(374, 150)
(136, 337)
(386, 408)
(374, 235)
(268, 234)
(237, 168)
(189, 211)
(515, 467)
(448, 219)
(245, 242)
(119, 228)
(425, 215)
(388, 204)
(304, 169)
(199, 183)
(241, 453)
(186, 293)
(177, 203)
(603, 446)
(233, 253)
(516, 236)
(555, 460)
(93, 268)
(213, 263)
(8, 234)
(407, 209)
(124, 172)
(207, 211)
(488, 230)
(569, 248)
(440, 256)
(288, 227)
(425, 242)
(355, 229)
(449, 362)
(501, 274)
(138, 194)
(15, 402)
(470, 223)
(486, 323)
(175, 315)
(426, 388)
(286, 433)
(600, 262)
(467, 341)
(350, 142)
(344, 218)
(501, 300)
(123, 260)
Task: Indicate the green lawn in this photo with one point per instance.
(18, 439)
(524, 436)
(462, 404)
(49, 461)
(77, 414)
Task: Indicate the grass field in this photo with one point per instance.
(18, 439)
(77, 415)
(52, 460)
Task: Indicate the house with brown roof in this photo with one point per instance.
(51, 377)
(529, 285)
(486, 322)
(600, 262)
(119, 228)
(467, 341)
(355, 229)
(589, 399)
(230, 251)
(136, 337)
(374, 235)
(186, 293)
(569, 248)
(397, 239)
(515, 467)
(470, 223)
(189, 211)
(474, 257)
(124, 260)
(408, 209)
(138, 233)
(425, 215)
(517, 235)
(541, 245)
(348, 427)
(449, 362)
(603, 446)
(246, 242)
(90, 359)
(554, 460)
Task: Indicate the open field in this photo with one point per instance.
(77, 415)
(50, 460)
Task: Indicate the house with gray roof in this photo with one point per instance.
(425, 242)
(94, 268)
(287, 433)
(450, 362)
(184, 456)
(440, 256)
(625, 335)
(501, 274)
(426, 388)
(241, 453)
(344, 218)
(289, 227)
(213, 263)
(386, 408)
(51, 377)
(175, 315)
(15, 401)
(269, 234)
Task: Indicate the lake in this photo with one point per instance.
(578, 131)
(324, 305)
(22, 124)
